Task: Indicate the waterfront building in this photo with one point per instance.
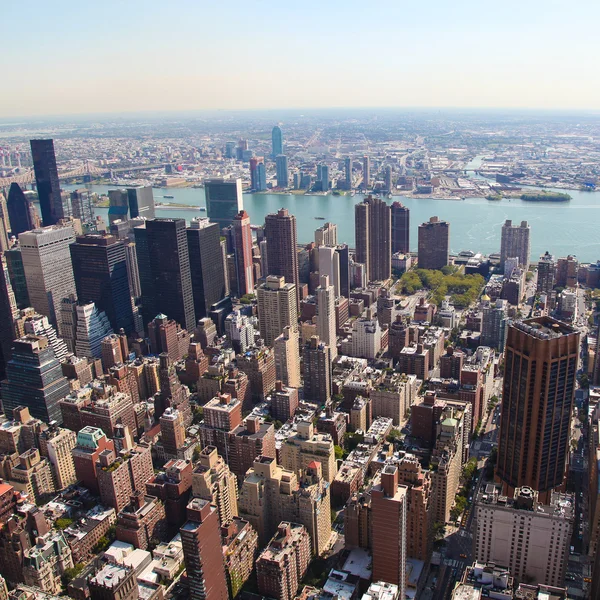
(373, 228)
(434, 244)
(516, 243)
(283, 175)
(224, 200)
(400, 228)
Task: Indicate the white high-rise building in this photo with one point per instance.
(530, 538)
(326, 235)
(277, 307)
(35, 324)
(329, 264)
(287, 357)
(48, 268)
(326, 315)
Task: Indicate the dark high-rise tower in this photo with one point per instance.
(46, 181)
(19, 213)
(34, 379)
(541, 358)
(400, 228)
(100, 271)
(224, 200)
(373, 226)
(141, 202)
(164, 267)
(206, 265)
(277, 139)
(282, 246)
(434, 244)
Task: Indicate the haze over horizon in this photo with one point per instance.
(75, 59)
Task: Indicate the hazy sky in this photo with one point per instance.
(64, 56)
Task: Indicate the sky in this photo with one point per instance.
(72, 57)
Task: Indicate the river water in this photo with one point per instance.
(475, 223)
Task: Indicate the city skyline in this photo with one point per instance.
(437, 44)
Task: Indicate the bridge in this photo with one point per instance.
(86, 169)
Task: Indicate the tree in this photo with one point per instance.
(198, 414)
(439, 530)
(395, 435)
(102, 545)
(459, 507)
(196, 454)
(63, 523)
(339, 452)
(584, 381)
(72, 573)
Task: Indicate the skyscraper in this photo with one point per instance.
(242, 250)
(329, 264)
(118, 209)
(19, 213)
(287, 357)
(282, 246)
(224, 200)
(46, 181)
(493, 325)
(348, 173)
(326, 328)
(141, 202)
(434, 244)
(366, 173)
(277, 307)
(326, 235)
(34, 379)
(283, 176)
(261, 175)
(388, 521)
(201, 541)
(373, 226)
(8, 314)
(48, 268)
(388, 179)
(81, 205)
(206, 265)
(546, 278)
(164, 267)
(400, 228)
(540, 369)
(316, 361)
(4, 224)
(324, 177)
(100, 271)
(515, 243)
(277, 139)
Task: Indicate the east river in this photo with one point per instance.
(562, 227)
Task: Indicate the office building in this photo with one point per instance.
(304, 446)
(213, 481)
(48, 268)
(201, 540)
(271, 493)
(515, 243)
(494, 323)
(277, 307)
(373, 227)
(242, 251)
(434, 244)
(282, 245)
(224, 200)
(323, 178)
(141, 202)
(529, 537)
(84, 327)
(4, 224)
(118, 208)
(546, 276)
(344, 260)
(46, 181)
(388, 182)
(8, 316)
(164, 266)
(206, 266)
(326, 235)
(81, 205)
(326, 328)
(287, 357)
(283, 176)
(329, 265)
(316, 359)
(388, 521)
(19, 210)
(277, 141)
(540, 366)
(34, 379)
(366, 173)
(100, 271)
(283, 563)
(348, 173)
(16, 275)
(400, 228)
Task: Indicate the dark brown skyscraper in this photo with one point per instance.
(373, 225)
(282, 246)
(400, 228)
(434, 244)
(46, 181)
(201, 541)
(539, 384)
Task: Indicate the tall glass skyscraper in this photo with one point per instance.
(100, 271)
(223, 200)
(19, 213)
(46, 181)
(34, 379)
(277, 139)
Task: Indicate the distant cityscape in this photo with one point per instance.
(213, 407)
